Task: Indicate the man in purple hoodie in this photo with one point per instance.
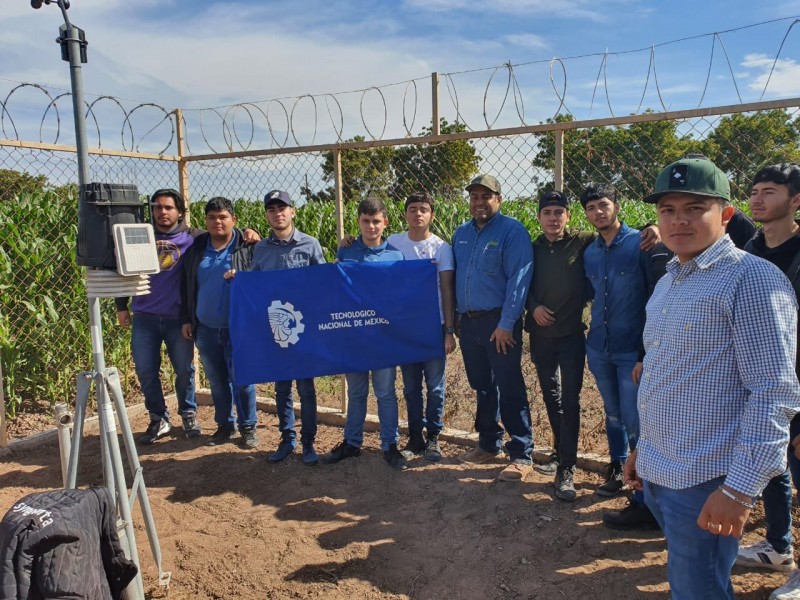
(156, 320)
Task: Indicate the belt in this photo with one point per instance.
(481, 314)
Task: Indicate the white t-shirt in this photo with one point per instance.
(433, 248)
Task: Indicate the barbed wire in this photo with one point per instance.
(296, 120)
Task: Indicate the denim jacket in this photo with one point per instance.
(621, 278)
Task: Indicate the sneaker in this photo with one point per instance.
(433, 452)
(191, 427)
(158, 428)
(762, 555)
(310, 456)
(248, 439)
(614, 483)
(221, 436)
(518, 470)
(395, 458)
(550, 467)
(477, 456)
(634, 516)
(285, 448)
(340, 452)
(789, 590)
(565, 484)
(415, 445)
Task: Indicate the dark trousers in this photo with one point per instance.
(559, 364)
(501, 394)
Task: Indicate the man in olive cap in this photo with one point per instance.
(494, 262)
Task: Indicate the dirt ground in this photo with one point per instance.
(232, 525)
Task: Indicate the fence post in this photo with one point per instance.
(183, 165)
(339, 199)
(3, 436)
(435, 104)
(558, 171)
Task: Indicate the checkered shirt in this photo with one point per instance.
(719, 387)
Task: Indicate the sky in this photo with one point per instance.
(293, 66)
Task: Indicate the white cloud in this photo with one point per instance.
(527, 40)
(785, 78)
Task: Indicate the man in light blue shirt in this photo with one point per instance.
(288, 248)
(494, 264)
(370, 247)
(718, 386)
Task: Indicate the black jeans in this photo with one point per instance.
(559, 364)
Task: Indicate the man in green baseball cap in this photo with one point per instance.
(718, 386)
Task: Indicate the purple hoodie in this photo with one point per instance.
(164, 299)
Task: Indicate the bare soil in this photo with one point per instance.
(232, 525)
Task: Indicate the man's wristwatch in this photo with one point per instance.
(450, 330)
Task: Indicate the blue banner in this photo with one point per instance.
(333, 318)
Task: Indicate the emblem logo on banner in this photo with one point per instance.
(286, 323)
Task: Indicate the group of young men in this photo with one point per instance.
(694, 356)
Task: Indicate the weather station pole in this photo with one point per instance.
(109, 203)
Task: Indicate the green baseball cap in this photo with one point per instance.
(487, 181)
(694, 174)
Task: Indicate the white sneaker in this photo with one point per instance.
(762, 555)
(789, 590)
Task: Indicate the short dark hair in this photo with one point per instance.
(420, 197)
(220, 203)
(787, 174)
(595, 191)
(180, 203)
(371, 206)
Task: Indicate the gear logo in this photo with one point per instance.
(286, 323)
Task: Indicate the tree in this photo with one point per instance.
(742, 143)
(364, 172)
(442, 169)
(17, 183)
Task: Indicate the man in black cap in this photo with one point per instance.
(555, 306)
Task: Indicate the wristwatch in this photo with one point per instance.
(450, 330)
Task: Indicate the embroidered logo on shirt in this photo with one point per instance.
(286, 323)
(492, 244)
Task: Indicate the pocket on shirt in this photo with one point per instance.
(296, 260)
(491, 260)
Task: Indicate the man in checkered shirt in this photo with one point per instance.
(718, 387)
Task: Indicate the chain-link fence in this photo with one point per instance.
(44, 337)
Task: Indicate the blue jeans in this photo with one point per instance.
(429, 418)
(148, 332)
(612, 372)
(559, 364)
(698, 563)
(214, 346)
(501, 394)
(777, 498)
(308, 410)
(357, 392)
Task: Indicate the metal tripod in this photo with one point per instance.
(110, 401)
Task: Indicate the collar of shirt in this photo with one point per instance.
(704, 260)
(292, 239)
(379, 248)
(228, 246)
(624, 231)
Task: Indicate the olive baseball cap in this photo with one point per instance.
(487, 181)
(694, 174)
